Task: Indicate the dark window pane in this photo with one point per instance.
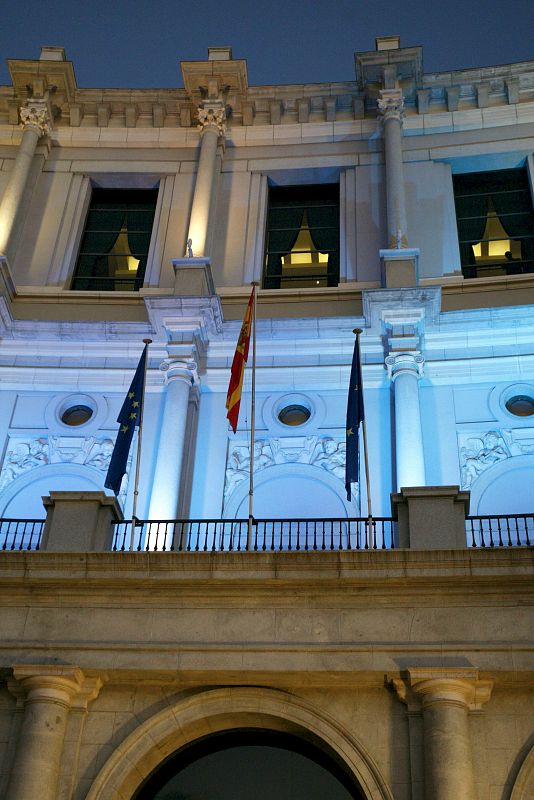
(495, 223)
(114, 247)
(302, 237)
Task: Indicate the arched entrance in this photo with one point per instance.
(251, 763)
(205, 714)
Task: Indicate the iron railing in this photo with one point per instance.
(266, 535)
(500, 530)
(21, 534)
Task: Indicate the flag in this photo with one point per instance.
(233, 398)
(354, 417)
(128, 419)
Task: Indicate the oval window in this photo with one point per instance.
(76, 415)
(521, 405)
(294, 415)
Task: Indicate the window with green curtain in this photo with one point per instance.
(302, 236)
(495, 218)
(114, 247)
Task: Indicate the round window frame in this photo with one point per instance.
(58, 406)
(499, 397)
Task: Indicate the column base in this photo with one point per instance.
(400, 268)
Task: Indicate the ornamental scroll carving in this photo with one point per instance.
(391, 104)
(323, 452)
(478, 452)
(36, 115)
(212, 117)
(26, 453)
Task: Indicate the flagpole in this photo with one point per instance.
(138, 458)
(252, 423)
(358, 332)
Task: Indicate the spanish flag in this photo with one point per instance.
(233, 398)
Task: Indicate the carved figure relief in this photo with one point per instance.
(23, 454)
(479, 453)
(323, 452)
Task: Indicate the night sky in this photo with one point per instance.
(116, 43)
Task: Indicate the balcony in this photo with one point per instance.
(424, 518)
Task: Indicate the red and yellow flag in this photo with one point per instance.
(233, 398)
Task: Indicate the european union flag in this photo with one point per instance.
(129, 417)
(354, 417)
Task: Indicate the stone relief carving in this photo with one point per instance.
(37, 116)
(323, 452)
(23, 454)
(479, 453)
(209, 116)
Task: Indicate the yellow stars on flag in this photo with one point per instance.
(350, 432)
(125, 428)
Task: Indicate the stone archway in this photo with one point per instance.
(225, 709)
(524, 783)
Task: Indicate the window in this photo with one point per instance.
(302, 241)
(114, 248)
(495, 223)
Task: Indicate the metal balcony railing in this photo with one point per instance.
(21, 534)
(500, 530)
(266, 535)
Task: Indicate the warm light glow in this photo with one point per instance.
(499, 247)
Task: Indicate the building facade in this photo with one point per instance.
(398, 202)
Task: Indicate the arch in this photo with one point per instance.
(288, 490)
(523, 788)
(22, 497)
(504, 488)
(216, 710)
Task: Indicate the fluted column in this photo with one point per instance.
(446, 697)
(50, 691)
(180, 377)
(35, 121)
(390, 105)
(405, 369)
(212, 127)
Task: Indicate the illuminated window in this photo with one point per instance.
(114, 248)
(495, 223)
(302, 240)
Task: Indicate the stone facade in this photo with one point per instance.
(409, 665)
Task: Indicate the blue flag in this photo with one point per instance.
(354, 417)
(129, 417)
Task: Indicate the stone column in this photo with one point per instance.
(446, 697)
(212, 126)
(35, 121)
(50, 691)
(405, 369)
(390, 105)
(180, 376)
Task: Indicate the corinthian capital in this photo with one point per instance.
(391, 104)
(36, 115)
(212, 117)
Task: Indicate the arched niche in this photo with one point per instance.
(506, 488)
(291, 491)
(211, 712)
(22, 499)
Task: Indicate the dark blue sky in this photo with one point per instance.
(140, 44)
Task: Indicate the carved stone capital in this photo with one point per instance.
(400, 363)
(176, 369)
(50, 683)
(212, 117)
(460, 686)
(391, 104)
(36, 115)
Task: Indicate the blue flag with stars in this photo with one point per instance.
(354, 417)
(128, 419)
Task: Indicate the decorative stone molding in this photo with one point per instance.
(323, 452)
(390, 104)
(36, 115)
(400, 363)
(213, 117)
(477, 453)
(426, 685)
(174, 369)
